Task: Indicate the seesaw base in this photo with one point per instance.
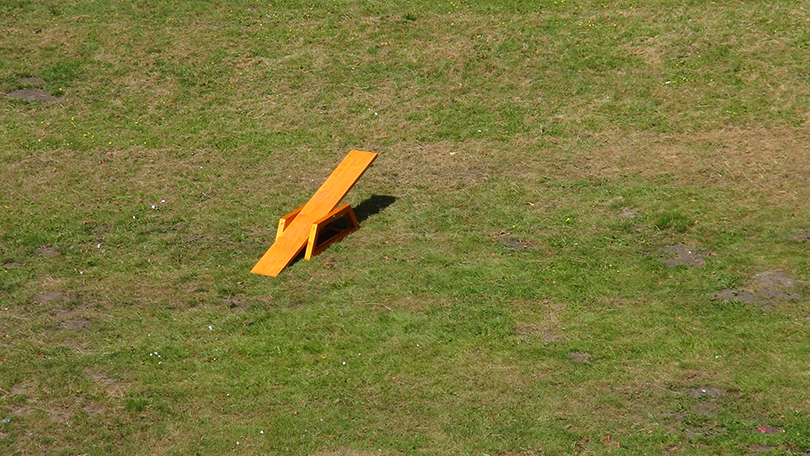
(323, 229)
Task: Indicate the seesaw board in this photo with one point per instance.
(295, 236)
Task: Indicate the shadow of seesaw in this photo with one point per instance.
(373, 205)
(367, 208)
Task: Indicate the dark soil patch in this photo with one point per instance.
(517, 244)
(47, 252)
(775, 280)
(682, 254)
(761, 448)
(676, 416)
(76, 325)
(47, 297)
(703, 431)
(736, 294)
(236, 303)
(767, 287)
(707, 391)
(39, 95)
(60, 415)
(706, 408)
(108, 385)
(578, 357)
(507, 240)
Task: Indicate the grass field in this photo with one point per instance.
(586, 231)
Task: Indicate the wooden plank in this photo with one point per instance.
(295, 235)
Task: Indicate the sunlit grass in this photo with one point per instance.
(505, 293)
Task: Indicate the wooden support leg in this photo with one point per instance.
(325, 226)
(285, 221)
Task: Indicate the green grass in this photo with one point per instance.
(504, 294)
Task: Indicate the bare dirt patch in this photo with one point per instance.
(60, 415)
(76, 325)
(30, 95)
(581, 358)
(110, 386)
(47, 252)
(706, 408)
(236, 303)
(507, 240)
(48, 297)
(767, 287)
(681, 254)
(707, 391)
(761, 448)
(547, 331)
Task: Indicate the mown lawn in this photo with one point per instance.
(586, 231)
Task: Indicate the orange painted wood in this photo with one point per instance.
(295, 233)
(324, 225)
(284, 221)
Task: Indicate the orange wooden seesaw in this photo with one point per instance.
(304, 226)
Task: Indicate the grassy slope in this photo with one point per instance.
(506, 295)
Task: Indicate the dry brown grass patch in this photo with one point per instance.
(444, 165)
(772, 162)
